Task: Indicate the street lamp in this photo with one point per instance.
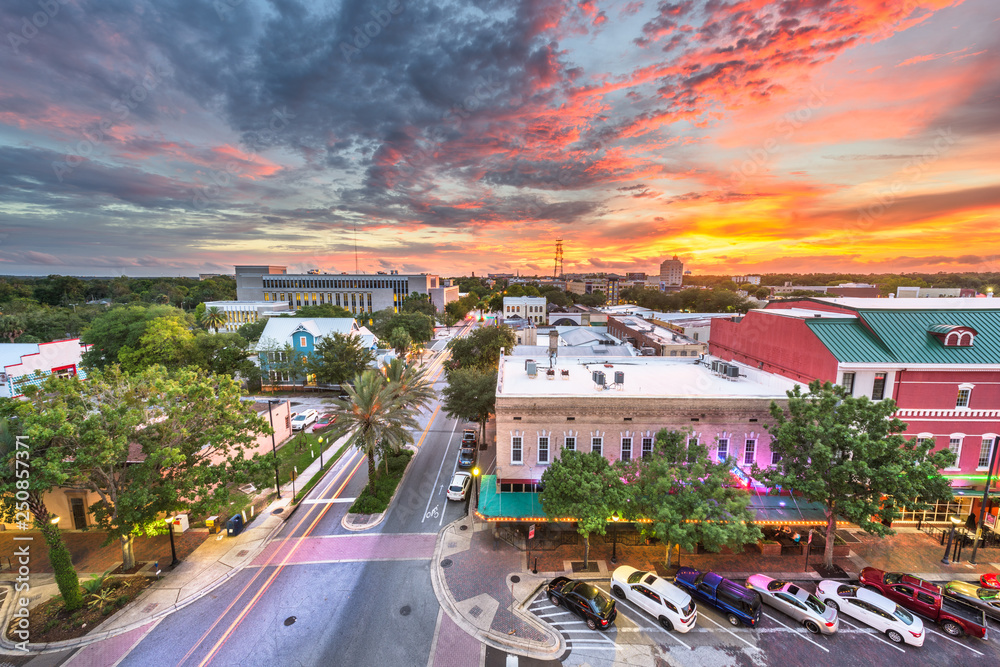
(955, 521)
(274, 449)
(320, 441)
(173, 551)
(475, 477)
(614, 537)
(54, 521)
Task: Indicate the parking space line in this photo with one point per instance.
(729, 631)
(632, 607)
(797, 633)
(873, 634)
(954, 641)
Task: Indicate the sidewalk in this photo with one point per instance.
(207, 561)
(473, 575)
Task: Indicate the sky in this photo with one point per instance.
(188, 136)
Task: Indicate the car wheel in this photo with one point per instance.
(952, 628)
(617, 590)
(665, 622)
(554, 600)
(733, 620)
(894, 636)
(832, 605)
(812, 627)
(592, 624)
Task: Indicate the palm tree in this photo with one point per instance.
(411, 383)
(375, 415)
(214, 317)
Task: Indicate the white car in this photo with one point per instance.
(662, 600)
(459, 486)
(881, 613)
(303, 419)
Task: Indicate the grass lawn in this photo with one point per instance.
(375, 497)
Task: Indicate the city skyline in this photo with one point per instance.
(744, 137)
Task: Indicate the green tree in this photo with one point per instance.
(11, 327)
(594, 299)
(166, 341)
(418, 325)
(375, 417)
(213, 318)
(847, 452)
(252, 331)
(583, 487)
(226, 353)
(471, 395)
(118, 328)
(23, 495)
(338, 358)
(399, 339)
(496, 303)
(481, 348)
(419, 303)
(147, 444)
(687, 496)
(322, 310)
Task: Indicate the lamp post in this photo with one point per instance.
(173, 551)
(955, 521)
(475, 484)
(320, 441)
(614, 537)
(274, 449)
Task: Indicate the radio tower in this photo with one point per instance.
(558, 270)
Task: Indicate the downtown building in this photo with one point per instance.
(938, 359)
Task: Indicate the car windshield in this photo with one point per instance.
(636, 577)
(903, 615)
(689, 608)
(847, 591)
(893, 578)
(602, 604)
(987, 593)
(814, 603)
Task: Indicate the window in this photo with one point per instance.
(692, 450)
(515, 450)
(570, 444)
(878, 388)
(847, 382)
(955, 446)
(925, 598)
(302, 341)
(595, 445)
(985, 452)
(647, 446)
(963, 398)
(748, 452)
(723, 449)
(543, 449)
(775, 458)
(626, 449)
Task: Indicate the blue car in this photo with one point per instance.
(738, 603)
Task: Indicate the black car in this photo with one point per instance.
(585, 600)
(467, 457)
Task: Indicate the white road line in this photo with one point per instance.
(931, 632)
(325, 501)
(796, 632)
(440, 467)
(558, 613)
(729, 631)
(874, 635)
(647, 628)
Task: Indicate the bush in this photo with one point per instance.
(375, 497)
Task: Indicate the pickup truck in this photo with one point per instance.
(739, 604)
(955, 617)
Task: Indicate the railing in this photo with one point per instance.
(513, 536)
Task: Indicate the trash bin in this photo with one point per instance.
(234, 526)
(213, 524)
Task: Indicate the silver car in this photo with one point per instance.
(796, 602)
(987, 599)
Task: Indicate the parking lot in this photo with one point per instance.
(637, 639)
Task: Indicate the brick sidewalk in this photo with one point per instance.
(89, 556)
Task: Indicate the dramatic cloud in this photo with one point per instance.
(456, 136)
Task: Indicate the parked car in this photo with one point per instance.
(987, 599)
(467, 457)
(739, 604)
(324, 421)
(989, 580)
(796, 602)
(874, 610)
(469, 438)
(459, 486)
(669, 605)
(304, 419)
(583, 599)
(955, 617)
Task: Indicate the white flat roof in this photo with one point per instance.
(928, 303)
(808, 314)
(645, 377)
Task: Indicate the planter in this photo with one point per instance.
(768, 548)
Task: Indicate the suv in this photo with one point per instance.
(469, 438)
(467, 457)
(665, 602)
(303, 419)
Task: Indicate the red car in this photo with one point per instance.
(989, 580)
(324, 422)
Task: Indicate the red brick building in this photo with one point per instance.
(939, 359)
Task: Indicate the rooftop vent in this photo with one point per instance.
(531, 367)
(565, 373)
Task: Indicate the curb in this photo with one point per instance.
(9, 647)
(547, 651)
(380, 517)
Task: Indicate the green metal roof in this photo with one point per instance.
(906, 336)
(850, 342)
(508, 505)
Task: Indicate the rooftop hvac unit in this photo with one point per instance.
(619, 377)
(565, 373)
(715, 365)
(532, 368)
(732, 371)
(599, 378)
